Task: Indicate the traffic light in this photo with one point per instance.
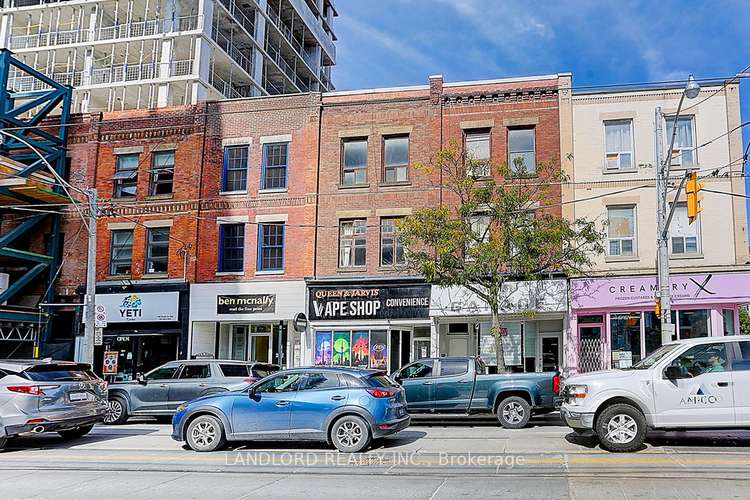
(694, 197)
(657, 307)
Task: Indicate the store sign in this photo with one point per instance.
(687, 289)
(393, 302)
(109, 365)
(246, 304)
(139, 307)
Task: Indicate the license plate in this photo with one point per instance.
(76, 397)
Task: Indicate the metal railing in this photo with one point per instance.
(239, 15)
(232, 50)
(21, 82)
(227, 89)
(115, 32)
(286, 32)
(286, 68)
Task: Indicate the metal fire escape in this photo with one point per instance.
(34, 118)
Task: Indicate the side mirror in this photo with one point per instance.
(673, 373)
(141, 379)
(251, 393)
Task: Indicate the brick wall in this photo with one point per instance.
(432, 116)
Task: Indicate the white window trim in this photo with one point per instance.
(635, 233)
(698, 242)
(669, 118)
(618, 153)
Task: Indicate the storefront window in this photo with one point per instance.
(625, 329)
(360, 348)
(728, 315)
(693, 324)
(652, 326)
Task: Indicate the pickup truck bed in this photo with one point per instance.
(458, 385)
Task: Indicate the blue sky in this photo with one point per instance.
(386, 43)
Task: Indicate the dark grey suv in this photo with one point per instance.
(159, 392)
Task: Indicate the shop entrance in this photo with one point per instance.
(400, 349)
(251, 343)
(136, 353)
(549, 352)
(590, 330)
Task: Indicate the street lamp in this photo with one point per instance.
(664, 216)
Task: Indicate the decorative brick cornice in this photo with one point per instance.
(519, 95)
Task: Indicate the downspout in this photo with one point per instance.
(317, 189)
(200, 184)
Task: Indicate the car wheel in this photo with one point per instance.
(514, 412)
(77, 432)
(350, 434)
(117, 413)
(621, 427)
(205, 433)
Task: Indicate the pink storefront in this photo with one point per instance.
(612, 323)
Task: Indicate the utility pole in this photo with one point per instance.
(85, 346)
(664, 213)
(662, 233)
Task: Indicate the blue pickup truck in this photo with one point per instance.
(460, 385)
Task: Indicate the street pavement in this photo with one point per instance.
(462, 458)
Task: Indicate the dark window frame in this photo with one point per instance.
(242, 171)
(114, 261)
(165, 170)
(354, 169)
(268, 154)
(263, 248)
(126, 178)
(531, 171)
(150, 244)
(223, 238)
(394, 245)
(396, 166)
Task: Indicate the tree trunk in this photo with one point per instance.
(497, 334)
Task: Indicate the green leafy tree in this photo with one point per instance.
(744, 321)
(496, 225)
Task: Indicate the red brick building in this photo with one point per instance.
(370, 141)
(221, 221)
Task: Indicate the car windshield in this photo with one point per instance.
(653, 358)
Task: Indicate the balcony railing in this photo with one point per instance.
(239, 16)
(286, 31)
(227, 89)
(21, 82)
(116, 32)
(134, 72)
(232, 50)
(286, 68)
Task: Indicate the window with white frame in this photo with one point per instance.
(396, 159)
(683, 152)
(621, 230)
(126, 175)
(618, 140)
(477, 148)
(683, 236)
(480, 226)
(391, 248)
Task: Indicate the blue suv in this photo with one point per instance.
(346, 407)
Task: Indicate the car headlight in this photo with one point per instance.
(182, 407)
(576, 393)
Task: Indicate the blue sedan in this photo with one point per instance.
(346, 407)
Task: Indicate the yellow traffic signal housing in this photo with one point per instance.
(694, 197)
(657, 307)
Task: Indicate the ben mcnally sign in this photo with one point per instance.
(246, 304)
(393, 302)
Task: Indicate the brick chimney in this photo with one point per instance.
(436, 88)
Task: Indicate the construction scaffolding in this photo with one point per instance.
(33, 141)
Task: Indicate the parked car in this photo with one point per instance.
(49, 396)
(690, 384)
(159, 392)
(346, 407)
(460, 385)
